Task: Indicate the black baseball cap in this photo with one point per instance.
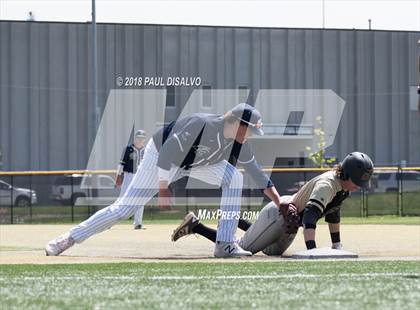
(250, 116)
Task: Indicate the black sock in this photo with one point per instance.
(244, 224)
(335, 237)
(205, 231)
(310, 244)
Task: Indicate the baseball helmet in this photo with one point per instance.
(358, 167)
(140, 134)
(250, 116)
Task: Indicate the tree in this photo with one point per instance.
(318, 158)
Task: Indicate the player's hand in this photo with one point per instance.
(164, 199)
(337, 246)
(119, 180)
(291, 217)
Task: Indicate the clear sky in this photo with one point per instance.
(385, 14)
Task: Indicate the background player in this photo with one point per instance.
(132, 156)
(274, 231)
(201, 146)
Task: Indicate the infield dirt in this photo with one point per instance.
(24, 244)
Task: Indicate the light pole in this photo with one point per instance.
(94, 70)
(418, 86)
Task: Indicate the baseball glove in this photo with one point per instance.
(291, 217)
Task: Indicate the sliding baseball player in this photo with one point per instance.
(274, 231)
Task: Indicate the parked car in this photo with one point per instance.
(68, 188)
(22, 197)
(387, 181)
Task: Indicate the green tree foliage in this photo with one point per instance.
(318, 157)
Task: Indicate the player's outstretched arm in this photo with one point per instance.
(333, 220)
(335, 235)
(311, 215)
(309, 235)
(271, 192)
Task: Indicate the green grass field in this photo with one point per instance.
(262, 285)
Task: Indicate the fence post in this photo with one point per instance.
(11, 199)
(30, 198)
(72, 198)
(402, 193)
(187, 207)
(362, 203)
(367, 204)
(399, 200)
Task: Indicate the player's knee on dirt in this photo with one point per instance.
(280, 246)
(268, 228)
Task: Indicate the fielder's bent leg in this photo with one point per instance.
(231, 181)
(226, 176)
(230, 204)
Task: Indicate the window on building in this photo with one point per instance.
(293, 123)
(170, 96)
(207, 96)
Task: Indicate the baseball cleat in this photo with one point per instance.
(229, 249)
(186, 227)
(59, 245)
(138, 226)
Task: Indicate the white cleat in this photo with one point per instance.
(229, 249)
(59, 245)
(186, 227)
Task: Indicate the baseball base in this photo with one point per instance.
(323, 253)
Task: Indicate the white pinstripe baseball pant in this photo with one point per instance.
(138, 215)
(145, 185)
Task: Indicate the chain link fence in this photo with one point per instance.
(72, 196)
